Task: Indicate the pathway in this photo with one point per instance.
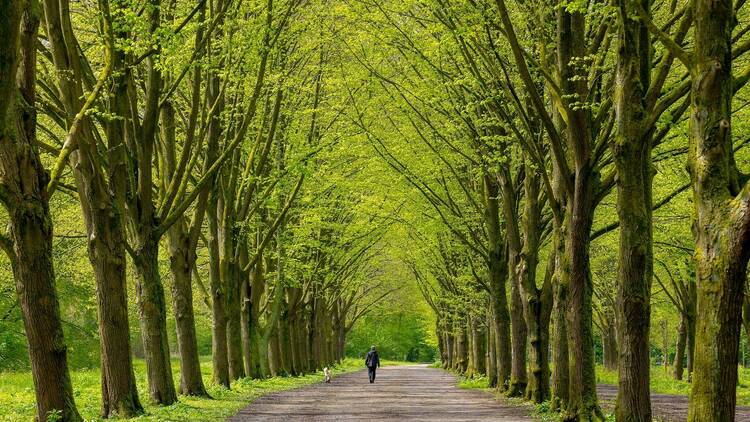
(414, 393)
(417, 393)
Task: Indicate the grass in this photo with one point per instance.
(661, 382)
(17, 394)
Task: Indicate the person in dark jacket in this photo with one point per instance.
(372, 360)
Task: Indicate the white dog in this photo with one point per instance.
(327, 374)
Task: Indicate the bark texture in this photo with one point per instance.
(722, 216)
(23, 192)
(631, 150)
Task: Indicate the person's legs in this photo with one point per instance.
(371, 374)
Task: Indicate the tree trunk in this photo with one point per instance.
(679, 354)
(518, 376)
(102, 214)
(219, 353)
(610, 345)
(631, 151)
(538, 311)
(231, 278)
(182, 262)
(245, 317)
(690, 314)
(497, 266)
(25, 196)
(582, 402)
(722, 225)
(561, 372)
(490, 347)
(153, 318)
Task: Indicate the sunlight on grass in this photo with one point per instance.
(17, 393)
(663, 382)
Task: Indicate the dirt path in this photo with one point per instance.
(418, 393)
(414, 393)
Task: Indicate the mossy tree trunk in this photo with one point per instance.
(678, 367)
(490, 347)
(518, 376)
(609, 344)
(498, 268)
(722, 216)
(183, 236)
(560, 363)
(219, 353)
(142, 219)
(631, 150)
(102, 206)
(537, 301)
(153, 319)
(23, 192)
(582, 401)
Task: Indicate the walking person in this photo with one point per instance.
(372, 360)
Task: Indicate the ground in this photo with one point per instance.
(422, 393)
(414, 393)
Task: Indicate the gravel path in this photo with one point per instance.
(414, 393)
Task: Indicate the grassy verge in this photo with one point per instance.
(17, 394)
(661, 382)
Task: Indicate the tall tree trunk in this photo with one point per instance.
(24, 194)
(260, 352)
(102, 208)
(560, 287)
(230, 275)
(245, 309)
(679, 354)
(219, 353)
(143, 222)
(722, 216)
(490, 347)
(538, 311)
(609, 344)
(582, 400)
(690, 315)
(631, 151)
(153, 318)
(518, 376)
(497, 266)
(182, 263)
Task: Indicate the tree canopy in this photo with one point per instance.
(518, 189)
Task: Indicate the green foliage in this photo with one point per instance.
(397, 335)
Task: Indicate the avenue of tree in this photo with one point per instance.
(552, 175)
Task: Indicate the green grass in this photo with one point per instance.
(663, 382)
(17, 394)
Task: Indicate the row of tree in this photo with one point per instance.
(527, 118)
(192, 125)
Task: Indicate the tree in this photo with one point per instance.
(23, 192)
